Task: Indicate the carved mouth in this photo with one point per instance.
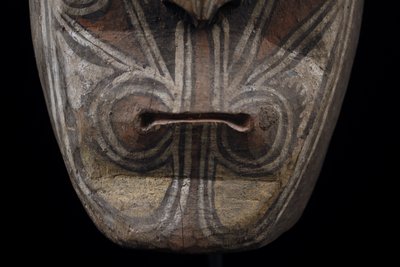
(240, 122)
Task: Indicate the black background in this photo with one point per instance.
(346, 221)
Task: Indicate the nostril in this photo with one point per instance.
(240, 122)
(199, 12)
(179, 11)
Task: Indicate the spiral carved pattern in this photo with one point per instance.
(118, 136)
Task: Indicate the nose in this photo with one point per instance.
(200, 11)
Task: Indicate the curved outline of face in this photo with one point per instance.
(192, 186)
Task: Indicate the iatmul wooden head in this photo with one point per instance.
(194, 125)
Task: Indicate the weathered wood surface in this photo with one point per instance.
(194, 138)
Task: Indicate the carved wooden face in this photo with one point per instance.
(194, 125)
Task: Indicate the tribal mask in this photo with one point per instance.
(194, 125)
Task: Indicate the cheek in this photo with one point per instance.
(265, 131)
(260, 139)
(125, 122)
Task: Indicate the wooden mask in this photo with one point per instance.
(194, 125)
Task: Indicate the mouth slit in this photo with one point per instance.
(240, 122)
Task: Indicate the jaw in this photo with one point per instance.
(190, 199)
